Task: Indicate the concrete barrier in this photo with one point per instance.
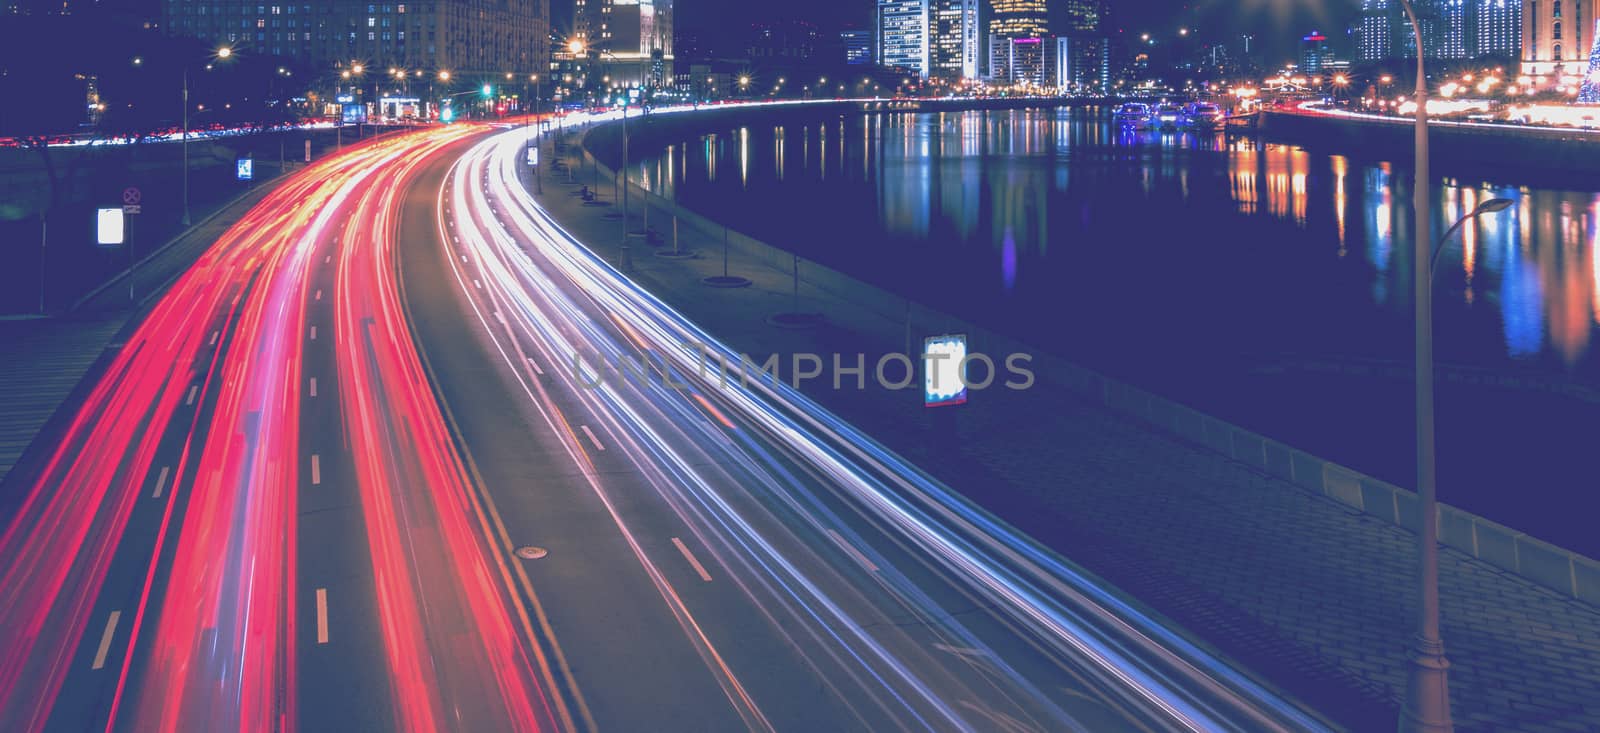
(1558, 569)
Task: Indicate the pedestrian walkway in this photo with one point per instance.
(1304, 592)
(44, 359)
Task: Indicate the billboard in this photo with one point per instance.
(944, 370)
(355, 114)
(109, 229)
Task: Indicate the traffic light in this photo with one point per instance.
(488, 91)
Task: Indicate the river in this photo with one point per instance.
(1266, 284)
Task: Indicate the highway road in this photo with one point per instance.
(346, 475)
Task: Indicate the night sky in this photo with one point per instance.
(1277, 24)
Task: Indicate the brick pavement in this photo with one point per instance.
(1295, 587)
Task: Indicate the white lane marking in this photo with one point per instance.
(535, 365)
(105, 640)
(853, 552)
(701, 569)
(500, 316)
(319, 295)
(316, 469)
(463, 257)
(590, 433)
(313, 333)
(327, 259)
(313, 386)
(214, 335)
(478, 283)
(322, 615)
(161, 482)
(192, 391)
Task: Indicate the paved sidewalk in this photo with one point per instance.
(1309, 595)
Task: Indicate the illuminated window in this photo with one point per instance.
(1555, 31)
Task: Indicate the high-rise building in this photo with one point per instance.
(1018, 60)
(627, 40)
(903, 35)
(1315, 53)
(1080, 64)
(1084, 17)
(1375, 32)
(1557, 36)
(1451, 29)
(1018, 18)
(1081, 58)
(857, 46)
(465, 37)
(953, 39)
(1451, 16)
(591, 22)
(1499, 28)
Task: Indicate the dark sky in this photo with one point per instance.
(1277, 24)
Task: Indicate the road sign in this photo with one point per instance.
(246, 168)
(944, 379)
(131, 196)
(109, 229)
(132, 209)
(533, 156)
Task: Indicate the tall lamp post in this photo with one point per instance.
(1427, 700)
(538, 91)
(577, 47)
(222, 53)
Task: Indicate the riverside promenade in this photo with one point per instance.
(1308, 593)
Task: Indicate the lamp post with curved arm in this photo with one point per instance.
(627, 255)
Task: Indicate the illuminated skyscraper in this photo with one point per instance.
(953, 35)
(1499, 28)
(1018, 18)
(1376, 29)
(903, 34)
(1452, 40)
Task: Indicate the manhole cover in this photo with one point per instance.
(531, 553)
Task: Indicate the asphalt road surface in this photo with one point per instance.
(349, 475)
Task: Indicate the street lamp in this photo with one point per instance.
(223, 52)
(537, 93)
(1491, 206)
(578, 47)
(1427, 700)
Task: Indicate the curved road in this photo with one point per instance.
(400, 454)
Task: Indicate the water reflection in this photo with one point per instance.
(1066, 209)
